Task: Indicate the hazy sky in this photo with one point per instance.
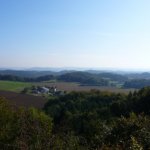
(75, 33)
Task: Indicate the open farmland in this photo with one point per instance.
(68, 86)
(23, 99)
(64, 86)
(13, 86)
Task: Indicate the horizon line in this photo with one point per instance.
(77, 69)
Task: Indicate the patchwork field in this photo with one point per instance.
(64, 86)
(11, 91)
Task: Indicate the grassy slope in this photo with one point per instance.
(13, 86)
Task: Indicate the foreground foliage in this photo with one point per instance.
(81, 121)
(23, 129)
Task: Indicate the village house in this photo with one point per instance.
(44, 90)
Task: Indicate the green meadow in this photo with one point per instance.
(13, 85)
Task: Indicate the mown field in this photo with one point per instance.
(13, 86)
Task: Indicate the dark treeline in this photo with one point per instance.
(137, 83)
(80, 121)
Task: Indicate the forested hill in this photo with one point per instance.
(85, 75)
(28, 74)
(84, 78)
(133, 80)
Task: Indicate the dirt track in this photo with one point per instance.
(23, 100)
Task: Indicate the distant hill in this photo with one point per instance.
(113, 76)
(30, 74)
(144, 75)
(89, 77)
(83, 78)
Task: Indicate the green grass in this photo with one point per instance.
(13, 86)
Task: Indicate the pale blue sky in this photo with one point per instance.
(75, 33)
